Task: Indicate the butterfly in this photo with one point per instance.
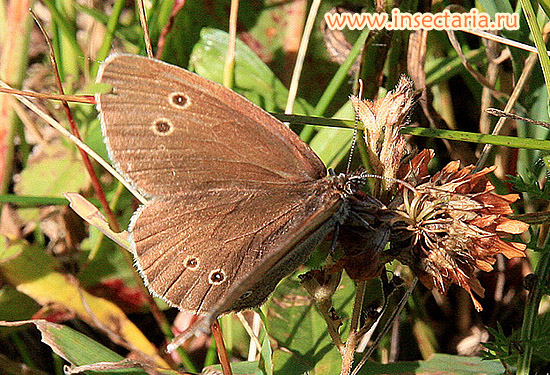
(237, 200)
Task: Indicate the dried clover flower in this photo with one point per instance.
(447, 226)
(454, 223)
(383, 118)
(366, 232)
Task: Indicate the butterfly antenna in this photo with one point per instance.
(390, 179)
(354, 138)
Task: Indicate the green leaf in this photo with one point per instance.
(266, 356)
(51, 171)
(253, 78)
(303, 344)
(333, 144)
(239, 368)
(438, 363)
(15, 305)
(77, 348)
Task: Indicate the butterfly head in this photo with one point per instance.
(354, 182)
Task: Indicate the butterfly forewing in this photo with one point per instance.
(187, 133)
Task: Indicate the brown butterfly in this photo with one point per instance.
(237, 200)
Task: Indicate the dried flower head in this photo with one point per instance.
(383, 118)
(453, 224)
(450, 225)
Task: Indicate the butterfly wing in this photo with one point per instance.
(238, 200)
(228, 249)
(171, 131)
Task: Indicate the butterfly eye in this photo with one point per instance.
(216, 277)
(179, 100)
(163, 127)
(192, 263)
